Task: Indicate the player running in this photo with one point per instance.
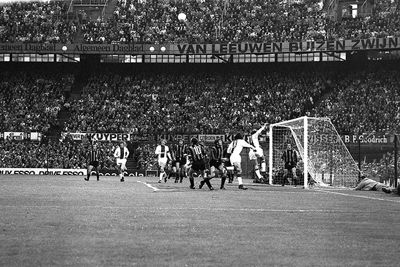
(258, 154)
(121, 154)
(93, 162)
(163, 154)
(217, 164)
(198, 165)
(235, 148)
(179, 160)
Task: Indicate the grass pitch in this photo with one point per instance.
(65, 221)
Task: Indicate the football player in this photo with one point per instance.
(258, 154)
(235, 148)
(121, 154)
(217, 162)
(162, 152)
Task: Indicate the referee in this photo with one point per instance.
(93, 161)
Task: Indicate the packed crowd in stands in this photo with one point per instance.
(192, 103)
(52, 153)
(206, 21)
(36, 22)
(30, 102)
(363, 101)
(235, 21)
(201, 102)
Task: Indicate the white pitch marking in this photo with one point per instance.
(349, 195)
(155, 189)
(194, 209)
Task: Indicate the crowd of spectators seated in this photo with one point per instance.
(36, 22)
(236, 21)
(52, 153)
(363, 101)
(29, 101)
(148, 21)
(198, 102)
(192, 103)
(207, 102)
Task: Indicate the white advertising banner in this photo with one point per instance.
(42, 171)
(114, 137)
(14, 135)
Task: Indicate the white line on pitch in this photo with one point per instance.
(193, 209)
(150, 186)
(359, 196)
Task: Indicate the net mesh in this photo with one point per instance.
(329, 161)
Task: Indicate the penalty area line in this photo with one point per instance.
(358, 196)
(155, 189)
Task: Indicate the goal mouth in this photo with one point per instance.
(321, 157)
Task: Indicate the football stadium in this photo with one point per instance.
(199, 132)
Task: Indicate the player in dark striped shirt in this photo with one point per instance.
(93, 159)
(217, 162)
(179, 160)
(289, 157)
(198, 165)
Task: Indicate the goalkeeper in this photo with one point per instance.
(290, 159)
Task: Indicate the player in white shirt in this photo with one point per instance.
(163, 154)
(121, 153)
(258, 153)
(235, 148)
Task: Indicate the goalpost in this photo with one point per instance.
(322, 155)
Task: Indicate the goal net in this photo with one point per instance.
(323, 158)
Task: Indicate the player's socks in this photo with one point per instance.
(122, 177)
(201, 184)
(87, 176)
(98, 178)
(258, 174)
(240, 181)
(191, 179)
(223, 179)
(207, 181)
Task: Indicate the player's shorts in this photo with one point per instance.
(122, 163)
(199, 165)
(227, 163)
(235, 158)
(215, 163)
(290, 166)
(181, 162)
(256, 154)
(237, 166)
(95, 164)
(162, 162)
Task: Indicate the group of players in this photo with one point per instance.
(193, 161)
